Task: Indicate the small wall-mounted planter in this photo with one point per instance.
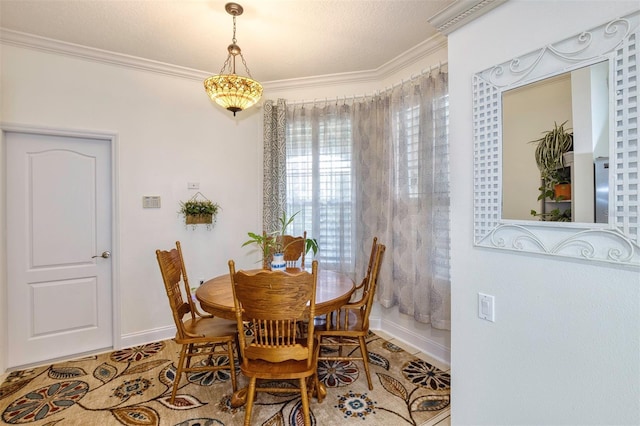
(197, 219)
(199, 211)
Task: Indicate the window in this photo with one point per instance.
(407, 152)
(319, 183)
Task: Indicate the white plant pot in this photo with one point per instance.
(278, 263)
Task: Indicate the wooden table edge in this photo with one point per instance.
(220, 302)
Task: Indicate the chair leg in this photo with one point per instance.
(251, 392)
(305, 401)
(188, 353)
(176, 380)
(237, 343)
(365, 359)
(340, 346)
(319, 389)
(232, 365)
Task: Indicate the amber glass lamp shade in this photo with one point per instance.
(233, 92)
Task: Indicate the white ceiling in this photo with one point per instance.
(280, 39)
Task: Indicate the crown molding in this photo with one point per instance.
(413, 55)
(405, 59)
(44, 44)
(461, 13)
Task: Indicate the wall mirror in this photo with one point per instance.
(588, 83)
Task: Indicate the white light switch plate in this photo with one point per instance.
(486, 307)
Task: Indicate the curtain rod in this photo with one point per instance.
(352, 98)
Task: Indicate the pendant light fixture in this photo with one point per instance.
(227, 89)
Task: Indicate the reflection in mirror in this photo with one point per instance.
(579, 99)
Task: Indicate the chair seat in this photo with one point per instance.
(278, 371)
(210, 327)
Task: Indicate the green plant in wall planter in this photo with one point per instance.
(197, 212)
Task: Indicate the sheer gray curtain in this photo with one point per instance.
(401, 166)
(378, 166)
(274, 166)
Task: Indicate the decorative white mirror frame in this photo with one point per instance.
(616, 242)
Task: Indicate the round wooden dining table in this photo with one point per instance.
(333, 290)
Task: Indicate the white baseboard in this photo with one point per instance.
(419, 341)
(125, 341)
(147, 336)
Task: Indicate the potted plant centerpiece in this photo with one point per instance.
(549, 155)
(271, 244)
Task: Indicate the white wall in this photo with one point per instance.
(564, 348)
(169, 133)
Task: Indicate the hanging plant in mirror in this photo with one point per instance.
(555, 176)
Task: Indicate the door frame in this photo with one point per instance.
(112, 139)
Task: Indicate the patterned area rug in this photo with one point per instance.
(133, 386)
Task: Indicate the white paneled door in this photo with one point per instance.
(59, 246)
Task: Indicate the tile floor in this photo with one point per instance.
(445, 418)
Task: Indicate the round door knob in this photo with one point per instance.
(105, 254)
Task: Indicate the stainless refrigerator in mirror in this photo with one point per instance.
(601, 186)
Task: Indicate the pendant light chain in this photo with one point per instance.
(225, 65)
(245, 66)
(233, 40)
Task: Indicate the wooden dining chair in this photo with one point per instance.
(349, 326)
(199, 334)
(357, 292)
(294, 250)
(272, 303)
